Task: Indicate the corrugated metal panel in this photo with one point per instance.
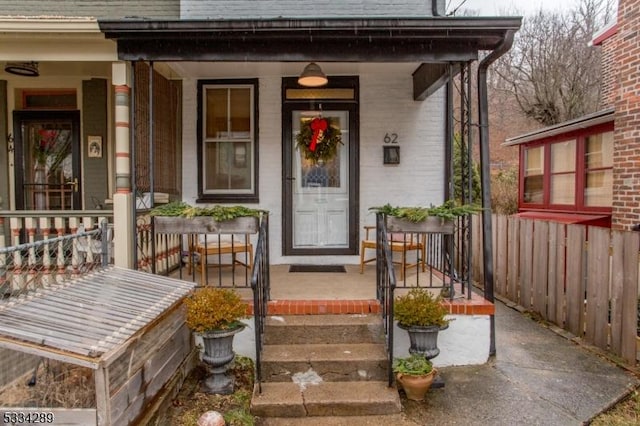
(92, 314)
(599, 117)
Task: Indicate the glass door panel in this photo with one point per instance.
(47, 176)
(320, 202)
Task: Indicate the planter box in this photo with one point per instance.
(431, 225)
(205, 225)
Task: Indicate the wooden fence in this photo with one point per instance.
(583, 279)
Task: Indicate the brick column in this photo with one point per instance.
(626, 154)
(124, 226)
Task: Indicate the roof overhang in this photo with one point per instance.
(604, 34)
(600, 117)
(48, 24)
(340, 40)
(53, 39)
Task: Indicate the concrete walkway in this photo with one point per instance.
(536, 378)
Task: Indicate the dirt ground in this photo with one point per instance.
(191, 402)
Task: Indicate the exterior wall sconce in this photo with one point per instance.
(25, 69)
(312, 76)
(390, 155)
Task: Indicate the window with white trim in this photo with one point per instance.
(228, 147)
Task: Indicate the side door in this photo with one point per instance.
(47, 160)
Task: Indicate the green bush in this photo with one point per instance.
(212, 308)
(504, 192)
(419, 307)
(413, 365)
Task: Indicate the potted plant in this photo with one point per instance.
(181, 218)
(435, 219)
(214, 314)
(422, 314)
(415, 374)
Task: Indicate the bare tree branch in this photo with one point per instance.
(551, 70)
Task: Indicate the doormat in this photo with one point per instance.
(317, 268)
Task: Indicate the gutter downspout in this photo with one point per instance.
(435, 10)
(483, 118)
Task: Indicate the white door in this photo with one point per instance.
(320, 196)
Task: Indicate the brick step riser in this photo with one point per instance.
(293, 335)
(329, 371)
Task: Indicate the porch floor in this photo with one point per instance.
(335, 292)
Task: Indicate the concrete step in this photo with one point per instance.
(325, 399)
(298, 329)
(331, 362)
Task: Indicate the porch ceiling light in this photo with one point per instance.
(26, 69)
(312, 76)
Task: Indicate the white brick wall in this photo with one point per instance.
(386, 106)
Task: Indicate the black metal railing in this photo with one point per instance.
(260, 284)
(446, 259)
(28, 267)
(385, 286)
(462, 243)
(219, 259)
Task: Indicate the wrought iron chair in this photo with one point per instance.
(400, 243)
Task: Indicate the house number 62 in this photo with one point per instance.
(391, 138)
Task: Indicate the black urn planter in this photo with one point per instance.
(218, 354)
(423, 339)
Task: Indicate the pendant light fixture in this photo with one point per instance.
(312, 76)
(25, 69)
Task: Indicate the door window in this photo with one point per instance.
(321, 188)
(48, 170)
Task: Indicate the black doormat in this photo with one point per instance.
(317, 268)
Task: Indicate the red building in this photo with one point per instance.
(587, 170)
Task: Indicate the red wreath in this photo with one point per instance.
(319, 139)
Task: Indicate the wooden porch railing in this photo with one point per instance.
(29, 226)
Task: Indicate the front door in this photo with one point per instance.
(321, 194)
(47, 165)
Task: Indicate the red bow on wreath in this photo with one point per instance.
(318, 126)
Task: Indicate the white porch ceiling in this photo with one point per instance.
(252, 69)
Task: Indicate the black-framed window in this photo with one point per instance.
(228, 140)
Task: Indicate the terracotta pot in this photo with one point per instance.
(416, 387)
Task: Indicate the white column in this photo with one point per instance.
(124, 226)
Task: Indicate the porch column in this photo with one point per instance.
(124, 226)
